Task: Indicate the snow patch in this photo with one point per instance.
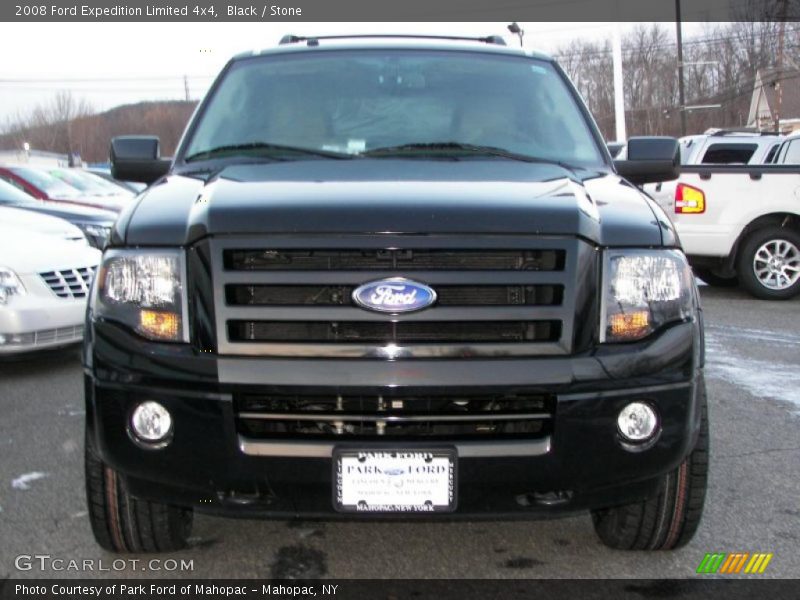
(21, 482)
(760, 378)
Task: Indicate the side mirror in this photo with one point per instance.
(137, 158)
(650, 160)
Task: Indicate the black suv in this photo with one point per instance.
(392, 277)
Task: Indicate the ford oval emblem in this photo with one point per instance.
(394, 295)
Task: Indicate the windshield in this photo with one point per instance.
(354, 102)
(9, 194)
(89, 184)
(46, 182)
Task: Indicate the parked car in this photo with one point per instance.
(44, 285)
(131, 186)
(398, 278)
(739, 224)
(93, 222)
(728, 147)
(39, 183)
(789, 151)
(32, 222)
(90, 184)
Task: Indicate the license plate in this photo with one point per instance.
(394, 481)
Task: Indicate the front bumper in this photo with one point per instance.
(40, 320)
(580, 464)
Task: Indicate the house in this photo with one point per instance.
(775, 92)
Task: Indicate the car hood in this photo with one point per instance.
(26, 252)
(29, 221)
(392, 196)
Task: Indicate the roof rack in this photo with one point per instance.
(740, 131)
(314, 40)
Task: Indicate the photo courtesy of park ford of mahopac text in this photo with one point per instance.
(362, 299)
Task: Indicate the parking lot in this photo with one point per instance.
(752, 504)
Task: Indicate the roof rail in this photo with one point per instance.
(314, 40)
(740, 131)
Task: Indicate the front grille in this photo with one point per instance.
(388, 332)
(69, 283)
(450, 417)
(495, 296)
(341, 295)
(404, 259)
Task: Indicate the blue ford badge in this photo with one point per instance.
(394, 295)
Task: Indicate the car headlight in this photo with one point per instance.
(10, 285)
(146, 290)
(96, 234)
(644, 290)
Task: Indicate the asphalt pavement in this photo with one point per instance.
(753, 376)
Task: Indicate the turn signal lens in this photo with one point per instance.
(689, 200)
(160, 325)
(630, 326)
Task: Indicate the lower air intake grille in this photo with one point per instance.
(369, 417)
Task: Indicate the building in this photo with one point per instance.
(775, 93)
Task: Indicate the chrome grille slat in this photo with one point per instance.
(69, 283)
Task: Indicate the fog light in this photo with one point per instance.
(637, 422)
(151, 422)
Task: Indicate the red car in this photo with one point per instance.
(40, 184)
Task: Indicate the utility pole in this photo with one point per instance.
(186, 86)
(681, 91)
(779, 74)
(619, 90)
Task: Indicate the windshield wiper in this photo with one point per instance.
(262, 149)
(459, 147)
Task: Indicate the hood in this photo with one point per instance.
(25, 252)
(389, 196)
(32, 222)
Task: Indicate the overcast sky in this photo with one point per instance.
(119, 63)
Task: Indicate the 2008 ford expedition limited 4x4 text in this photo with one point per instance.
(391, 277)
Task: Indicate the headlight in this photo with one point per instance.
(642, 291)
(10, 285)
(144, 289)
(96, 234)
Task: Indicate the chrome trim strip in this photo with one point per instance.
(393, 418)
(304, 449)
(390, 351)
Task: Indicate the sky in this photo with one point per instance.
(109, 64)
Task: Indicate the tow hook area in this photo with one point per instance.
(552, 498)
(253, 497)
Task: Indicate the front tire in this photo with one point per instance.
(769, 263)
(122, 523)
(670, 519)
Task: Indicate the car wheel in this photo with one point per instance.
(769, 263)
(122, 523)
(712, 278)
(668, 520)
